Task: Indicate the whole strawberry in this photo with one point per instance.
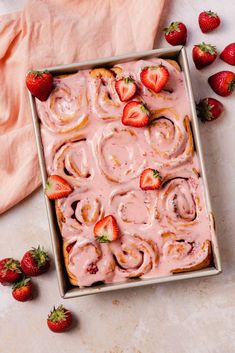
(208, 21)
(209, 109)
(40, 84)
(203, 55)
(23, 290)
(176, 33)
(228, 54)
(222, 83)
(35, 262)
(59, 319)
(9, 271)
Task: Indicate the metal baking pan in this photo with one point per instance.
(66, 289)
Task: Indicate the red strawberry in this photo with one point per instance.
(126, 88)
(208, 21)
(228, 54)
(203, 55)
(106, 229)
(135, 114)
(176, 33)
(35, 262)
(23, 290)
(222, 83)
(57, 187)
(154, 77)
(150, 179)
(59, 319)
(70, 246)
(40, 84)
(209, 109)
(9, 271)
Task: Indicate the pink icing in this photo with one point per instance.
(85, 142)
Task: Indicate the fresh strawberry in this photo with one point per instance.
(176, 33)
(150, 179)
(126, 88)
(135, 114)
(222, 83)
(208, 21)
(40, 84)
(203, 55)
(35, 262)
(209, 109)
(154, 77)
(70, 246)
(228, 54)
(23, 290)
(59, 319)
(106, 229)
(9, 271)
(57, 187)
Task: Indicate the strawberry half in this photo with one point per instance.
(59, 319)
(126, 88)
(203, 55)
(23, 290)
(222, 83)
(57, 187)
(228, 54)
(176, 33)
(154, 77)
(208, 21)
(209, 109)
(40, 84)
(9, 271)
(135, 114)
(150, 179)
(35, 262)
(106, 229)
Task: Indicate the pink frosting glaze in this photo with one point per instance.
(85, 142)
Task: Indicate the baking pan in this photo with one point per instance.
(66, 289)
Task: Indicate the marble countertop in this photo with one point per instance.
(194, 316)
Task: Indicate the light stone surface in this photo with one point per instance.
(194, 316)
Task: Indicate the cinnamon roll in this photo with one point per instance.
(135, 256)
(66, 109)
(182, 255)
(170, 138)
(88, 262)
(105, 103)
(119, 154)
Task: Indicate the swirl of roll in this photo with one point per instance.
(131, 206)
(88, 262)
(77, 213)
(105, 103)
(134, 256)
(170, 138)
(183, 255)
(66, 109)
(119, 153)
(72, 161)
(177, 201)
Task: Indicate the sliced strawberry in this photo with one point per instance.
(135, 114)
(57, 187)
(106, 229)
(150, 179)
(154, 77)
(126, 88)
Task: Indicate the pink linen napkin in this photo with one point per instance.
(48, 33)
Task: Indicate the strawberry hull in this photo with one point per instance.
(68, 291)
